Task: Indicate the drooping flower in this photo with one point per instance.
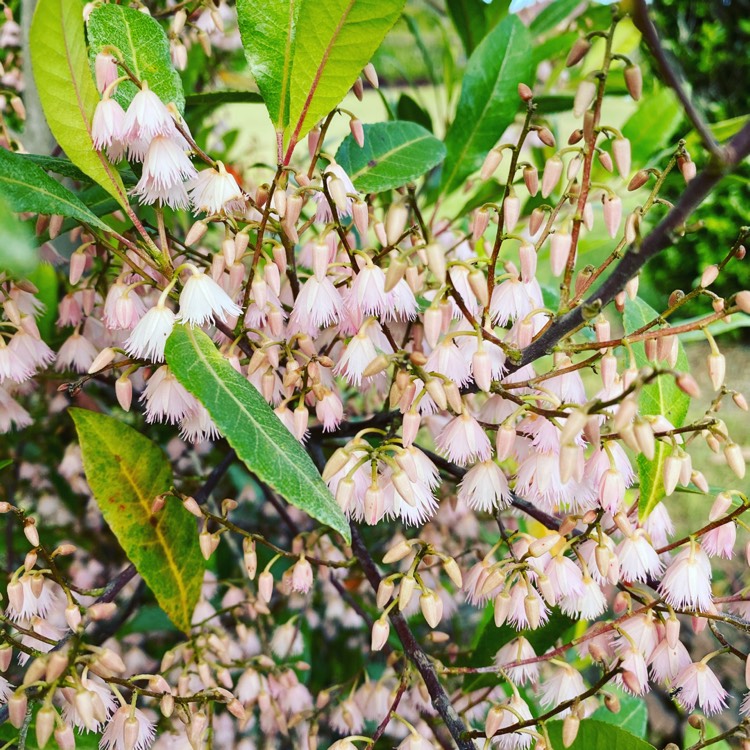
(167, 400)
(518, 650)
(166, 167)
(485, 487)
(215, 191)
(564, 684)
(687, 581)
(147, 117)
(128, 729)
(202, 299)
(463, 440)
(108, 125)
(147, 339)
(697, 684)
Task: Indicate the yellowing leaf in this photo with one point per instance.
(126, 472)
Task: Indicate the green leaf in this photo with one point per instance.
(27, 187)
(19, 253)
(489, 99)
(659, 397)
(632, 716)
(394, 153)
(66, 88)
(340, 38)
(554, 14)
(651, 126)
(58, 165)
(471, 19)
(250, 426)
(596, 734)
(145, 50)
(408, 109)
(222, 96)
(126, 471)
(268, 31)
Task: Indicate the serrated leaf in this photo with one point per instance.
(597, 734)
(66, 89)
(250, 426)
(268, 35)
(27, 187)
(632, 716)
(489, 99)
(661, 397)
(341, 37)
(394, 153)
(19, 252)
(145, 50)
(126, 471)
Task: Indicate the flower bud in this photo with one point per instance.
(380, 631)
(551, 175)
(621, 155)
(405, 591)
(716, 369)
(511, 211)
(537, 219)
(639, 179)
(491, 163)
(17, 704)
(531, 179)
(735, 459)
(633, 81)
(584, 97)
(571, 723)
(612, 212)
(45, 725)
(399, 551)
(525, 92)
(501, 608)
(265, 586)
(432, 608)
(578, 51)
(384, 593)
(358, 133)
(545, 136)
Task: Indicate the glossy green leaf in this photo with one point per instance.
(145, 49)
(659, 397)
(408, 109)
(126, 471)
(651, 126)
(394, 153)
(27, 187)
(19, 254)
(58, 165)
(471, 19)
(250, 426)
(554, 14)
(632, 716)
(596, 734)
(66, 88)
(489, 99)
(268, 36)
(341, 37)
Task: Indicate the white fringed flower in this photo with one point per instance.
(165, 168)
(697, 684)
(216, 191)
(147, 339)
(166, 400)
(128, 729)
(108, 125)
(202, 299)
(147, 117)
(485, 487)
(463, 440)
(687, 581)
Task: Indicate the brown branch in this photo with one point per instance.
(651, 37)
(637, 257)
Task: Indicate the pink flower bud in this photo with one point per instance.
(621, 155)
(511, 211)
(384, 593)
(491, 163)
(65, 738)
(77, 266)
(536, 220)
(742, 300)
(505, 441)
(735, 459)
(578, 51)
(571, 723)
(634, 81)
(551, 175)
(481, 221)
(545, 136)
(371, 75)
(432, 608)
(30, 532)
(102, 359)
(358, 132)
(17, 704)
(612, 211)
(45, 725)
(524, 92)
(265, 586)
(672, 467)
(605, 160)
(709, 275)
(686, 166)
(584, 97)
(559, 251)
(639, 179)
(432, 323)
(313, 138)
(528, 257)
(481, 367)
(531, 179)
(405, 591)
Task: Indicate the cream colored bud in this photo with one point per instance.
(384, 593)
(405, 591)
(397, 552)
